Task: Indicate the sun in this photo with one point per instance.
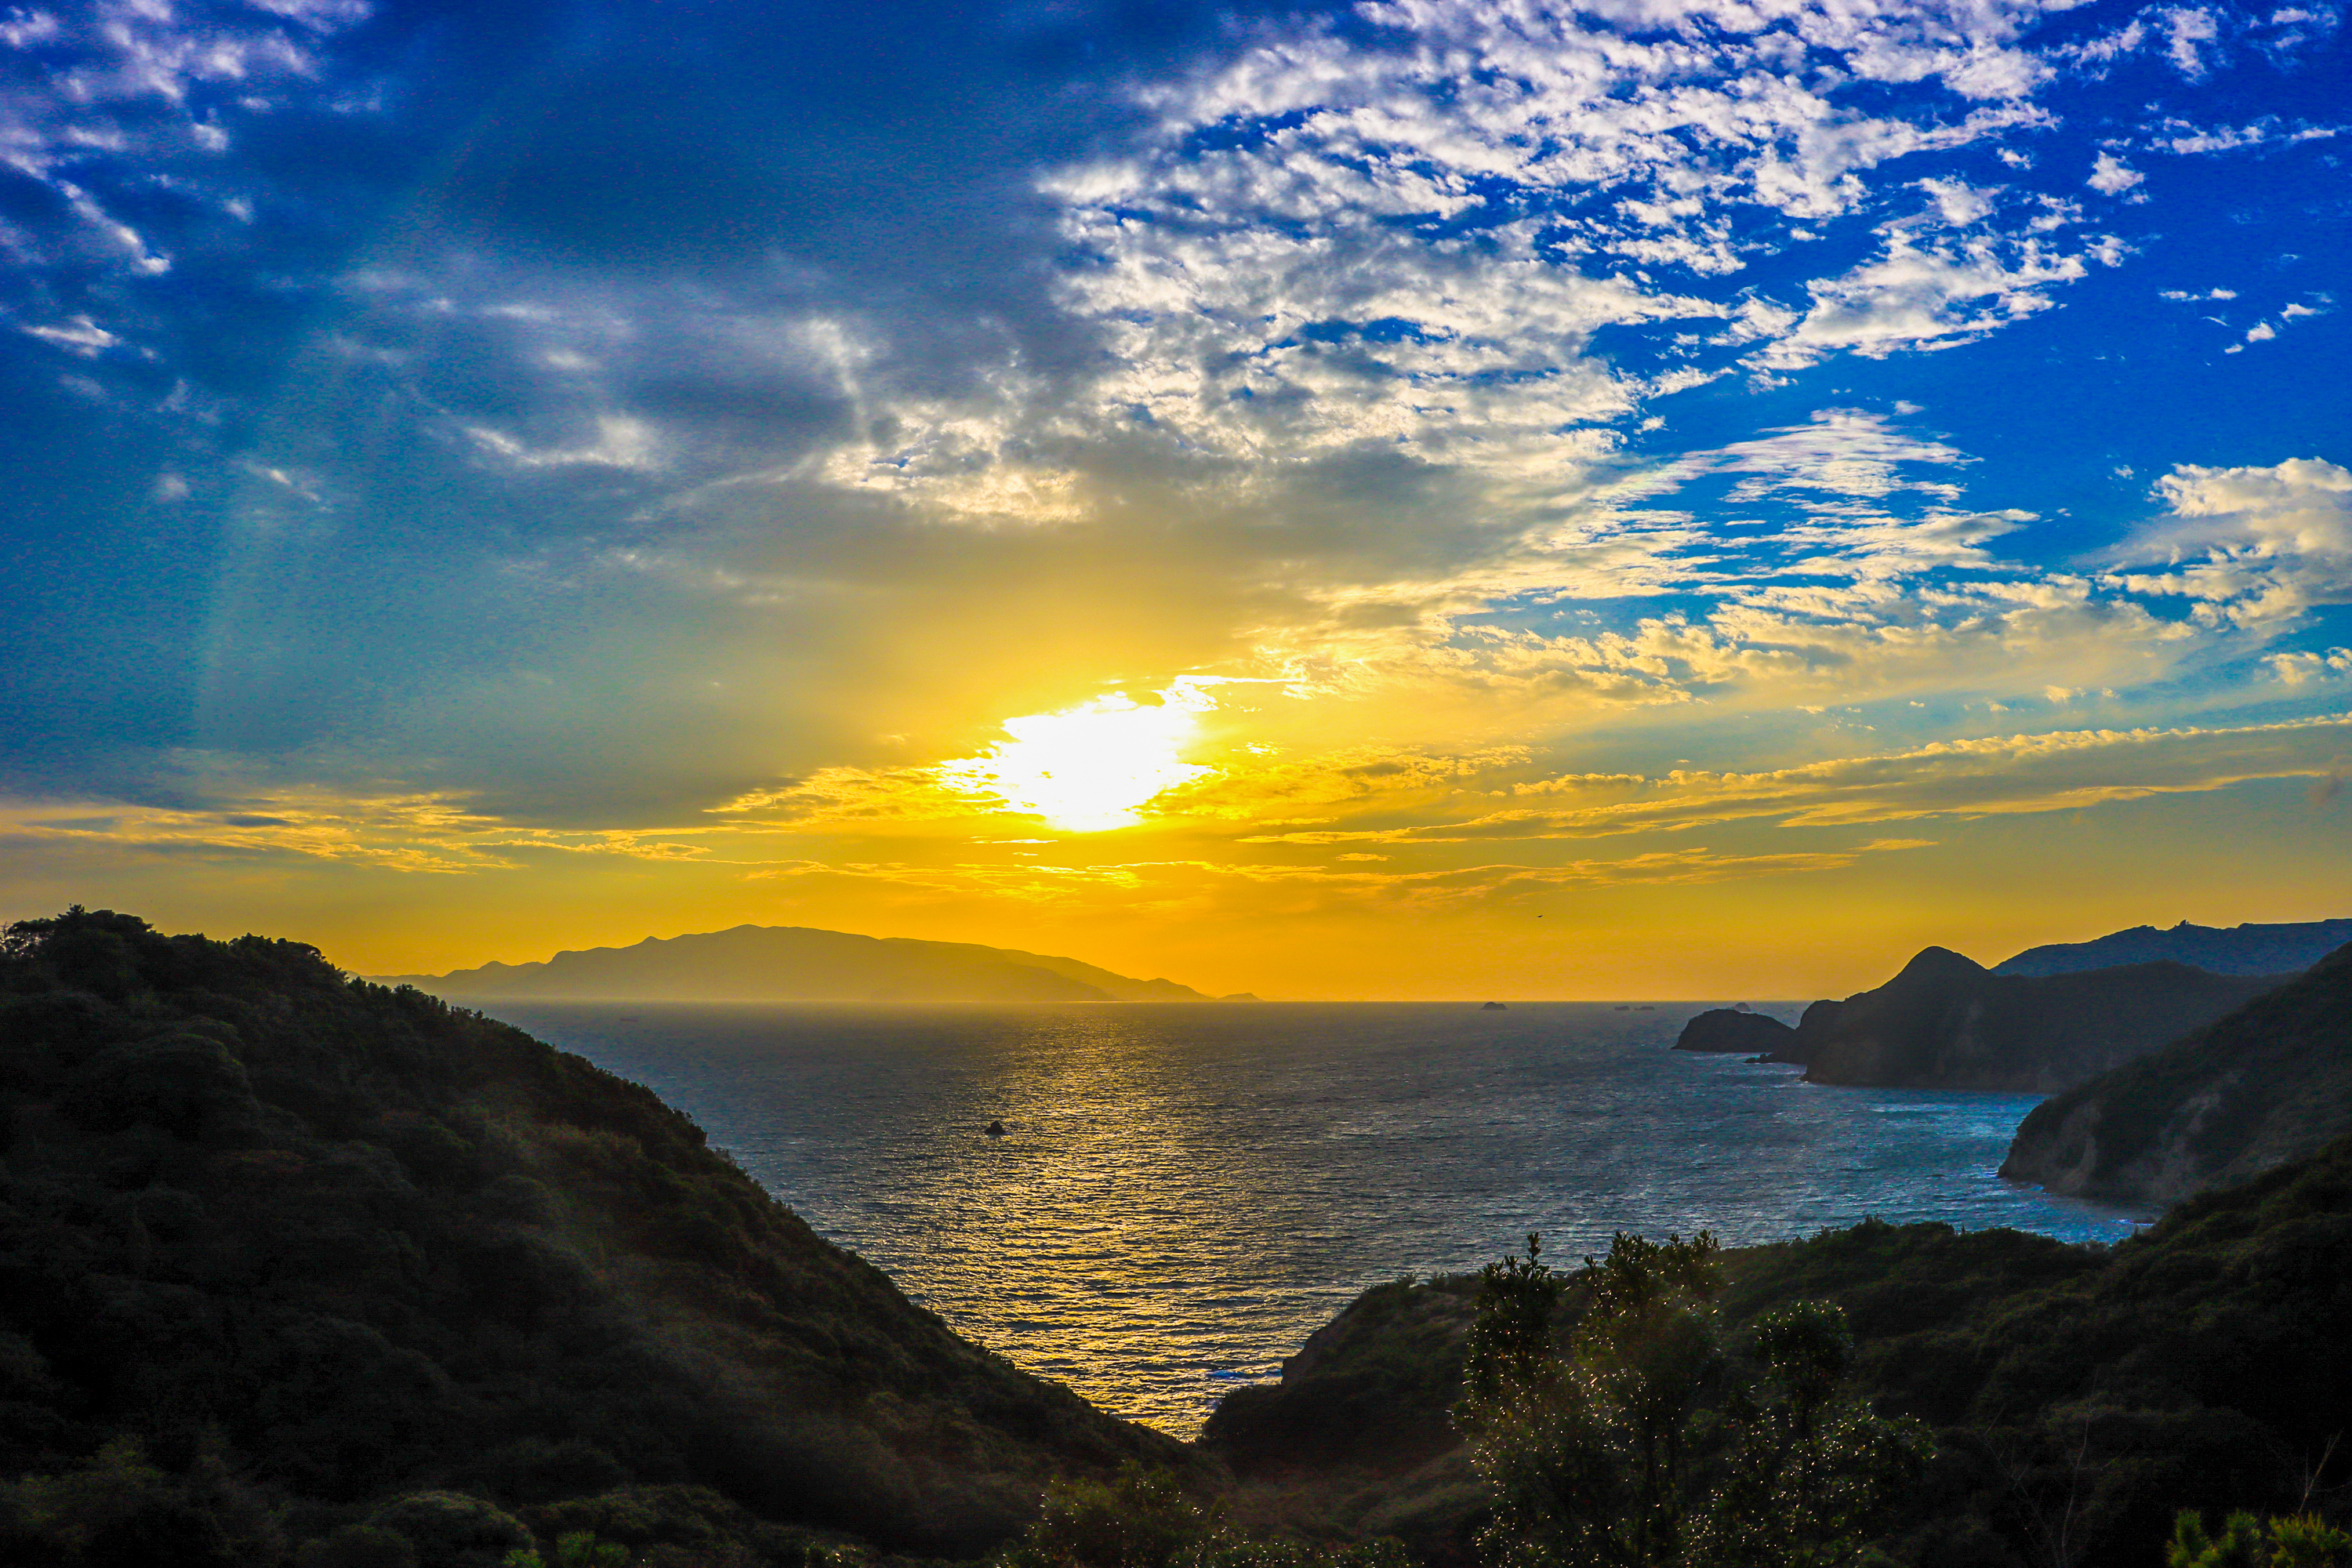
(1089, 768)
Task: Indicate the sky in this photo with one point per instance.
(1418, 499)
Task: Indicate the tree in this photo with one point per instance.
(1811, 1468)
(1591, 1438)
(2301, 1541)
(1585, 1442)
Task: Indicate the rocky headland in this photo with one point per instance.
(2269, 1083)
(1947, 1022)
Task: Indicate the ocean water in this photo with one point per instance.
(1185, 1193)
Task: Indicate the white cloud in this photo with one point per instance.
(80, 335)
(2250, 546)
(2188, 30)
(1931, 296)
(1996, 776)
(2110, 175)
(2299, 668)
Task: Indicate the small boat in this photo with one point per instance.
(996, 1129)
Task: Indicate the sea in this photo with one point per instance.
(1183, 1193)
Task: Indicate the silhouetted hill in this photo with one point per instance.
(279, 1249)
(2091, 1390)
(1945, 1022)
(2271, 1083)
(2223, 950)
(798, 963)
(1725, 1029)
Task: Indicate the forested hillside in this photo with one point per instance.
(278, 1250)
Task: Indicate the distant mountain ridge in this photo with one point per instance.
(797, 963)
(2219, 950)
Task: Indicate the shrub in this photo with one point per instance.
(450, 1530)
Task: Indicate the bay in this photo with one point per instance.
(1183, 1192)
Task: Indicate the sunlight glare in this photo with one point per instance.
(1089, 768)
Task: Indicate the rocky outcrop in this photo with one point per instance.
(1729, 1029)
(1947, 1022)
(2231, 950)
(2269, 1083)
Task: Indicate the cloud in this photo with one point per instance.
(2111, 176)
(1994, 775)
(1203, 889)
(1936, 295)
(2299, 668)
(595, 464)
(2250, 546)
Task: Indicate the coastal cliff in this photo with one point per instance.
(2269, 1083)
(281, 1254)
(1947, 1022)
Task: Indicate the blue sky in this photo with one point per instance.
(485, 478)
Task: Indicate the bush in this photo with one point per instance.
(450, 1530)
(358, 1546)
(176, 1083)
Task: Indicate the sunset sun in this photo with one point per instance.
(1089, 768)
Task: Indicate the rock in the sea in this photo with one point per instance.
(1948, 1022)
(2270, 1083)
(1731, 1031)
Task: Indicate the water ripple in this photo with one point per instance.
(1183, 1192)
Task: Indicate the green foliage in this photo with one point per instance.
(1811, 1471)
(118, 1507)
(1585, 1442)
(2291, 1541)
(1149, 1519)
(1143, 1519)
(578, 1549)
(1592, 1443)
(451, 1529)
(355, 1243)
(358, 1546)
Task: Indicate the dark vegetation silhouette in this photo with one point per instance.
(1628, 1434)
(298, 1267)
(2077, 1397)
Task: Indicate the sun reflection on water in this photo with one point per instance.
(1185, 1192)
